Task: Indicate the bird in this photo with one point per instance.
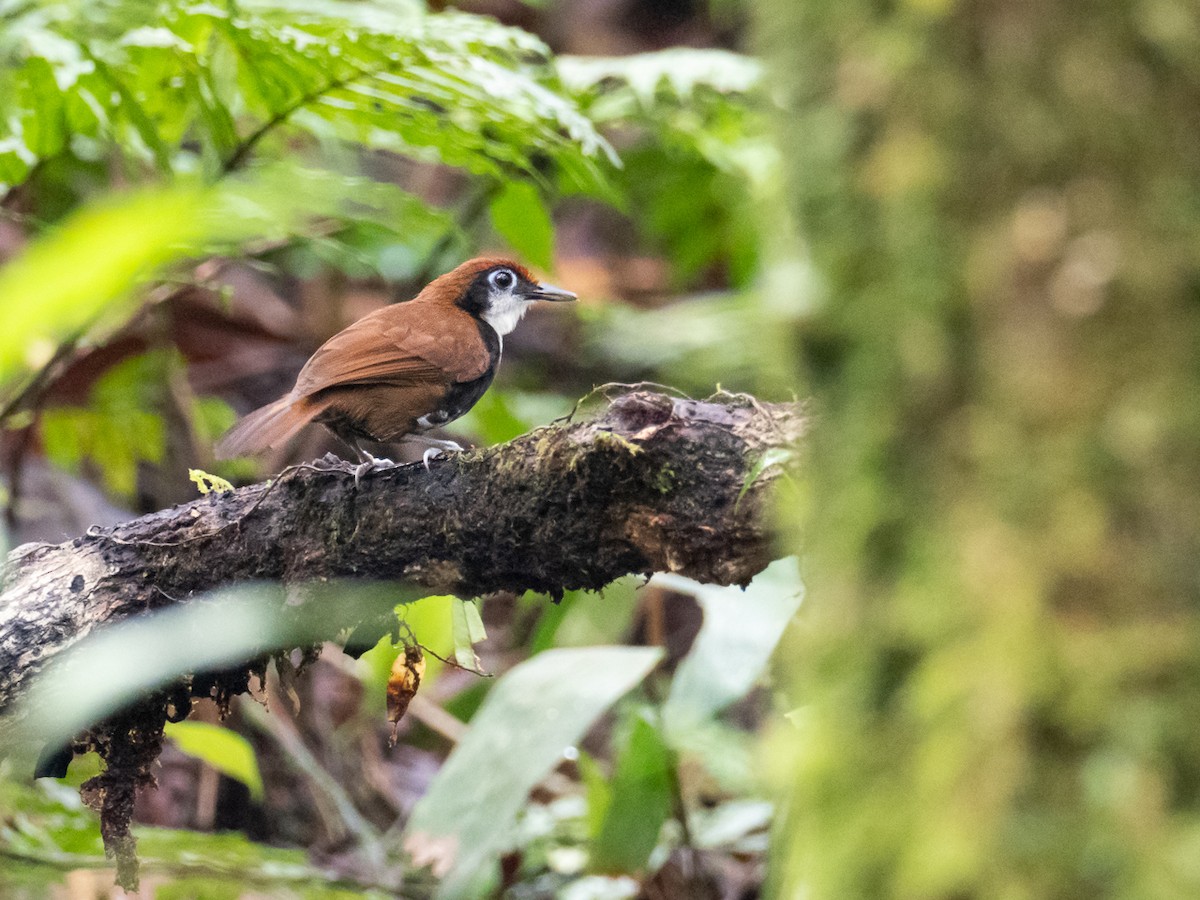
(404, 369)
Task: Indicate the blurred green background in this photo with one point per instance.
(965, 233)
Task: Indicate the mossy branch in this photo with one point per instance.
(653, 483)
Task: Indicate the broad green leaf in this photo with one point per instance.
(739, 634)
(530, 717)
(226, 751)
(432, 628)
(519, 215)
(640, 803)
(467, 629)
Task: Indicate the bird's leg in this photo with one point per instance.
(434, 447)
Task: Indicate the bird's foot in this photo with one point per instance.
(327, 463)
(371, 464)
(431, 453)
(437, 448)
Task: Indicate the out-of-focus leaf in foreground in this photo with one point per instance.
(65, 280)
(86, 269)
(113, 667)
(532, 715)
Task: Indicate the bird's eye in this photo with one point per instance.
(503, 279)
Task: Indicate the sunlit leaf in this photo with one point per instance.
(64, 281)
(226, 751)
(530, 717)
(187, 86)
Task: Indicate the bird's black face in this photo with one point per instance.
(501, 295)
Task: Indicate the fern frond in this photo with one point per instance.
(201, 85)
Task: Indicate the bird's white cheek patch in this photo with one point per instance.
(505, 312)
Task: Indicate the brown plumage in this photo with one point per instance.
(405, 368)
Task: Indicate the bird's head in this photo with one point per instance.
(493, 289)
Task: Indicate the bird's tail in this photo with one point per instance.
(267, 427)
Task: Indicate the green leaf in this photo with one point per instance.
(519, 216)
(121, 241)
(739, 634)
(640, 803)
(226, 751)
(585, 619)
(467, 629)
(531, 716)
(47, 832)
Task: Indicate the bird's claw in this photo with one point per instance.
(438, 448)
(371, 464)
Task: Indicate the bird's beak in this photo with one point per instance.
(552, 293)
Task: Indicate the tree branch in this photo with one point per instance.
(654, 483)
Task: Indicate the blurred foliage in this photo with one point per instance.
(139, 143)
(629, 812)
(194, 87)
(997, 676)
(47, 831)
(116, 428)
(463, 819)
(689, 153)
(528, 723)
